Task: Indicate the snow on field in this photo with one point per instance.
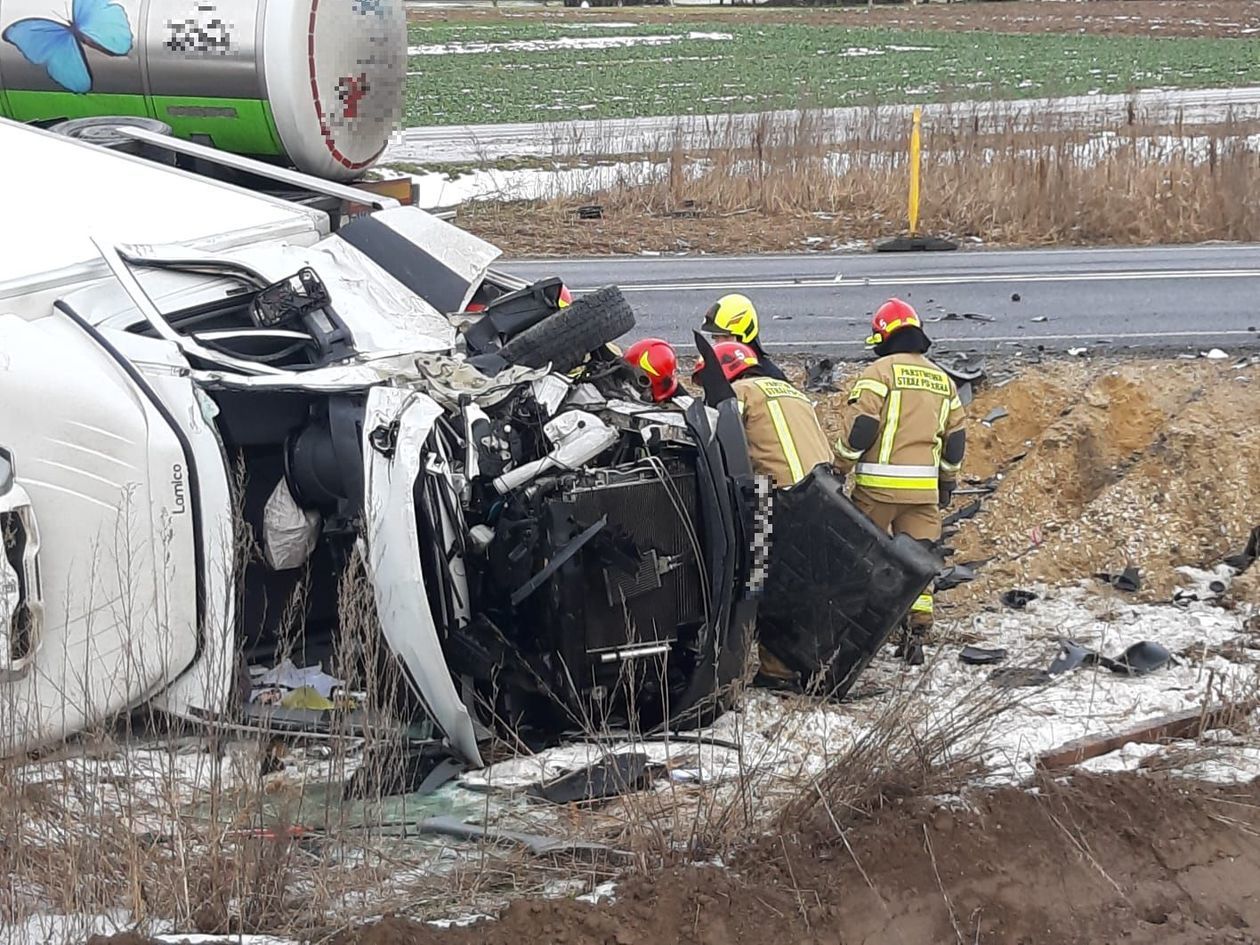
(565, 42)
(449, 144)
(540, 183)
(440, 190)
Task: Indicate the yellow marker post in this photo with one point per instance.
(916, 147)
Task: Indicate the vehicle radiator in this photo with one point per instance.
(623, 610)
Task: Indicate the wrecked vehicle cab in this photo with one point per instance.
(221, 404)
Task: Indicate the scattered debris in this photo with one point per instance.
(967, 511)
(1138, 660)
(1077, 352)
(1040, 318)
(822, 376)
(1216, 354)
(1017, 599)
(977, 317)
(1244, 559)
(1129, 580)
(994, 415)
(592, 211)
(953, 576)
(536, 844)
(610, 777)
(962, 367)
(981, 656)
(1189, 724)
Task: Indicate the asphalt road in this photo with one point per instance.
(1166, 299)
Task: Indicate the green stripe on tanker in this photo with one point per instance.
(243, 126)
(47, 106)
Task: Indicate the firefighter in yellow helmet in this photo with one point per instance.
(734, 318)
(785, 442)
(903, 437)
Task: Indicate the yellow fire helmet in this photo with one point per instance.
(732, 315)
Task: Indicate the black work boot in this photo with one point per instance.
(910, 648)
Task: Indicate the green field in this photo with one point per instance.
(540, 76)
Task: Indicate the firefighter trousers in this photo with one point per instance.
(921, 522)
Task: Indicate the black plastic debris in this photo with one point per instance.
(1015, 297)
(994, 415)
(389, 770)
(1247, 557)
(1139, 659)
(978, 486)
(978, 317)
(1128, 580)
(1071, 656)
(981, 656)
(536, 844)
(821, 376)
(962, 367)
(591, 211)
(967, 511)
(954, 575)
(1011, 677)
(609, 777)
(1017, 599)
(836, 592)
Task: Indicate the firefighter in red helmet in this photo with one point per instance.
(785, 442)
(903, 438)
(659, 364)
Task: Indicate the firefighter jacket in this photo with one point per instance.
(785, 439)
(902, 430)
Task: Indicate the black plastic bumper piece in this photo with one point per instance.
(837, 587)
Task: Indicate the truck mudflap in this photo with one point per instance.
(837, 585)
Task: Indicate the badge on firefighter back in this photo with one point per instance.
(913, 377)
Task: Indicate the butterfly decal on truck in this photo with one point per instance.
(62, 47)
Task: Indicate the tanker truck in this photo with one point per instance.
(317, 85)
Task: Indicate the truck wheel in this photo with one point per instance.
(566, 337)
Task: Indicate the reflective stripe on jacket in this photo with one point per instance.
(917, 407)
(785, 439)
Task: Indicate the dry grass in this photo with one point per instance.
(1013, 181)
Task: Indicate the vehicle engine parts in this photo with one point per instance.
(578, 437)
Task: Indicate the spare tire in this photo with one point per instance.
(105, 131)
(566, 337)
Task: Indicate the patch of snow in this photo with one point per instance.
(781, 741)
(601, 893)
(441, 190)
(564, 42)
(57, 929)
(197, 938)
(461, 143)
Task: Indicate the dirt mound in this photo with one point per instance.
(1104, 859)
(1103, 464)
(1155, 464)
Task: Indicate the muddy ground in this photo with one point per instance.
(1115, 859)
(1232, 18)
